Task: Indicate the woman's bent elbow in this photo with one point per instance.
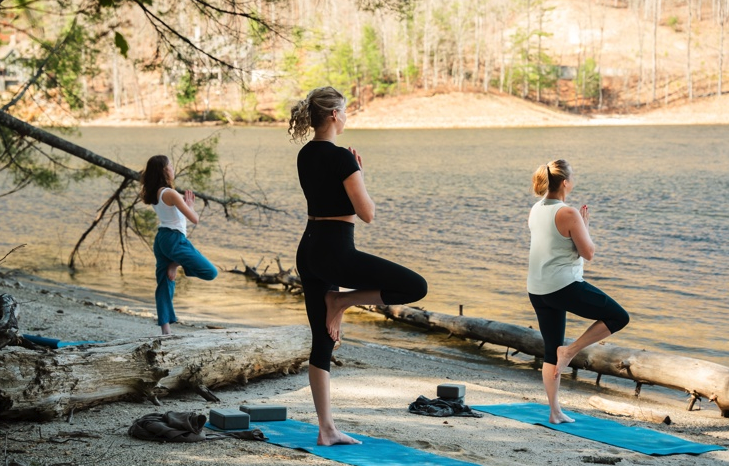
(587, 253)
(367, 216)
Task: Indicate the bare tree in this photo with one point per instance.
(723, 13)
(654, 81)
(641, 41)
(689, 74)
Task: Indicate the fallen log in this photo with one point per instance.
(697, 377)
(43, 384)
(625, 409)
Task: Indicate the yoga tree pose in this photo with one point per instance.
(172, 249)
(560, 240)
(333, 183)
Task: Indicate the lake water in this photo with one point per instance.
(452, 205)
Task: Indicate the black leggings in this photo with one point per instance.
(327, 259)
(579, 298)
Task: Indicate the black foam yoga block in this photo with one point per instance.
(265, 413)
(451, 390)
(229, 419)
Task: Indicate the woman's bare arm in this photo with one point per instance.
(354, 185)
(574, 224)
(185, 205)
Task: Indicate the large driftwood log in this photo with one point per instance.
(697, 377)
(45, 384)
(625, 409)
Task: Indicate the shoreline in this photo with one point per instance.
(464, 110)
(370, 395)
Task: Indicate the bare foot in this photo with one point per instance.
(335, 437)
(338, 343)
(563, 360)
(334, 315)
(166, 330)
(172, 271)
(560, 418)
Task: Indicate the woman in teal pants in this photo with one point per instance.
(172, 249)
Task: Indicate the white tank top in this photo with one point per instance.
(170, 216)
(553, 259)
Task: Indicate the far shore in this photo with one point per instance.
(474, 110)
(371, 391)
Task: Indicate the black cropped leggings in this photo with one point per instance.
(326, 260)
(579, 298)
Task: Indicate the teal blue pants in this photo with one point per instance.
(172, 246)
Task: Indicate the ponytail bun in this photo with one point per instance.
(549, 177)
(313, 111)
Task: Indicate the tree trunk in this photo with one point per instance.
(37, 385)
(527, 52)
(478, 26)
(689, 77)
(641, 42)
(697, 377)
(723, 6)
(654, 79)
(426, 44)
(115, 80)
(539, 54)
(502, 70)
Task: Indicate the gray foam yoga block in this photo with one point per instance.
(229, 419)
(451, 390)
(265, 413)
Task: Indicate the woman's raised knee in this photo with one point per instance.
(619, 323)
(420, 289)
(210, 274)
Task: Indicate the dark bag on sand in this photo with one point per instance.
(440, 407)
(182, 427)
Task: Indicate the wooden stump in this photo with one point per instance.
(8, 320)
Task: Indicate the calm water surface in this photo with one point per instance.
(452, 204)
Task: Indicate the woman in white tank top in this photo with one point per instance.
(560, 241)
(171, 246)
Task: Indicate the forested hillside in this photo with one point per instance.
(584, 56)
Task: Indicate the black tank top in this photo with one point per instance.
(323, 167)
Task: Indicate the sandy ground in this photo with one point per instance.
(370, 391)
(469, 110)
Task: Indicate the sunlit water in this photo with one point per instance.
(452, 205)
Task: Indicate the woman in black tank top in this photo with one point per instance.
(333, 183)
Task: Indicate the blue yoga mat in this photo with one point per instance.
(637, 439)
(372, 452)
(54, 343)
